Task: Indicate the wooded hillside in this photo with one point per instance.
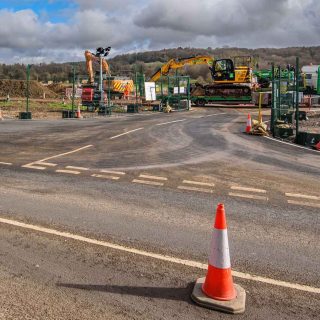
(148, 62)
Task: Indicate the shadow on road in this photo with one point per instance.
(182, 294)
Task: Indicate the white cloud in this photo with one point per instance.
(152, 24)
(245, 23)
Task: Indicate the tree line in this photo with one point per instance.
(148, 62)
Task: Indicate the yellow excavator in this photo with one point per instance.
(228, 80)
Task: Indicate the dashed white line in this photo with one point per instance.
(68, 171)
(212, 115)
(305, 204)
(303, 196)
(105, 177)
(207, 184)
(48, 164)
(248, 196)
(152, 183)
(123, 134)
(185, 262)
(113, 172)
(78, 168)
(146, 176)
(6, 163)
(239, 188)
(33, 166)
(163, 123)
(195, 189)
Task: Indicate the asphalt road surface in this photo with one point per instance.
(151, 182)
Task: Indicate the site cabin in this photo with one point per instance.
(311, 78)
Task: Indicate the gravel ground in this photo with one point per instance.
(312, 125)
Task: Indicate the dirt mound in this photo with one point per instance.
(58, 88)
(18, 88)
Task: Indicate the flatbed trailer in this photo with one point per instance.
(201, 101)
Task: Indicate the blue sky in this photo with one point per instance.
(34, 31)
(54, 10)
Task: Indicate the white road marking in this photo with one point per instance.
(6, 163)
(188, 263)
(105, 177)
(78, 168)
(198, 183)
(291, 144)
(212, 115)
(68, 171)
(195, 189)
(306, 204)
(46, 164)
(33, 166)
(152, 183)
(303, 196)
(37, 164)
(66, 153)
(153, 177)
(113, 172)
(122, 134)
(248, 196)
(248, 189)
(163, 123)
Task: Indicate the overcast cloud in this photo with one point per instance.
(129, 25)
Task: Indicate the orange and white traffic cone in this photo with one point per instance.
(79, 112)
(249, 124)
(217, 290)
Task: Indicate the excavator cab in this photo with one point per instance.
(223, 70)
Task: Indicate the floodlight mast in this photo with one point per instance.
(100, 53)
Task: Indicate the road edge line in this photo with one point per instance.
(189, 263)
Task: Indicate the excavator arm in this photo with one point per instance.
(89, 59)
(179, 63)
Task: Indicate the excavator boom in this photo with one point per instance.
(89, 59)
(179, 63)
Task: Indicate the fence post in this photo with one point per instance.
(297, 97)
(273, 101)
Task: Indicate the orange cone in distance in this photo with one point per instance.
(217, 291)
(249, 124)
(79, 112)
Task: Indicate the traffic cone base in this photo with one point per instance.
(234, 306)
